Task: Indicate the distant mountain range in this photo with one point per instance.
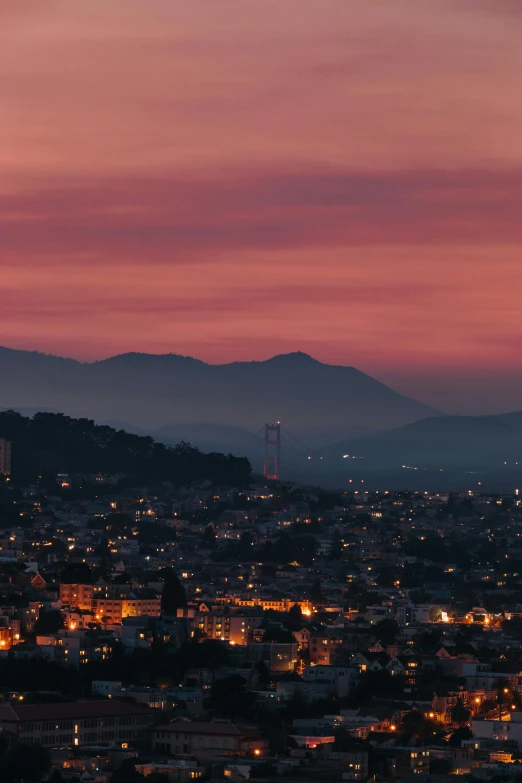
(437, 442)
(337, 421)
(178, 397)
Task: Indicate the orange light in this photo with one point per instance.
(257, 752)
(393, 728)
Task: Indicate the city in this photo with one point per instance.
(226, 632)
(260, 391)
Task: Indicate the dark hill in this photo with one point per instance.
(466, 442)
(51, 443)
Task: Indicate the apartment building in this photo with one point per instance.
(111, 603)
(220, 623)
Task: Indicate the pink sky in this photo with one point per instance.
(236, 178)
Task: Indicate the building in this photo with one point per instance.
(9, 632)
(110, 604)
(110, 722)
(181, 770)
(184, 736)
(499, 729)
(352, 765)
(277, 656)
(5, 457)
(340, 679)
(72, 648)
(221, 623)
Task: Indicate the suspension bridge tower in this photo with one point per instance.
(272, 451)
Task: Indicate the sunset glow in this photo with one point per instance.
(236, 179)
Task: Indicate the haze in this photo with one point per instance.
(240, 178)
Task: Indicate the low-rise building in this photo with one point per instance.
(109, 722)
(192, 737)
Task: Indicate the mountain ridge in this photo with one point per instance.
(449, 440)
(155, 390)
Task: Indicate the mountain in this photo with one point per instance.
(156, 391)
(440, 442)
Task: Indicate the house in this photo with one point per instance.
(277, 656)
(184, 736)
(340, 679)
(179, 770)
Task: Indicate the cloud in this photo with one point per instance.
(182, 218)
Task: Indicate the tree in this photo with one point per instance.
(344, 742)
(459, 736)
(487, 706)
(76, 574)
(208, 539)
(174, 595)
(459, 712)
(265, 770)
(277, 634)
(49, 622)
(246, 542)
(386, 630)
(501, 685)
(230, 697)
(127, 773)
(316, 594)
(24, 762)
(415, 724)
(295, 617)
(440, 767)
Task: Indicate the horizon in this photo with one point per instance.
(304, 354)
(355, 194)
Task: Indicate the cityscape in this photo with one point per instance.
(253, 630)
(260, 391)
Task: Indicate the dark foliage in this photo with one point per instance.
(49, 622)
(280, 635)
(440, 767)
(459, 736)
(59, 443)
(386, 630)
(127, 773)
(174, 595)
(76, 574)
(26, 763)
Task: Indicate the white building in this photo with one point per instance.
(340, 679)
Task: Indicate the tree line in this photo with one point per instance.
(55, 443)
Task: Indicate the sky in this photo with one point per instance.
(232, 179)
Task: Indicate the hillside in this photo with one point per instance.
(50, 443)
(158, 391)
(438, 442)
